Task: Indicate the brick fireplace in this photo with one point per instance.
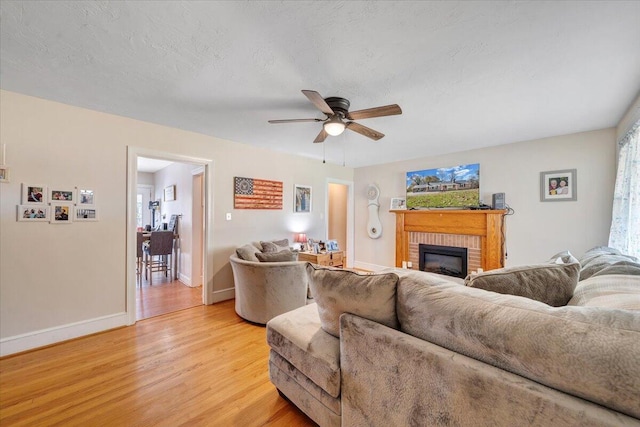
(479, 231)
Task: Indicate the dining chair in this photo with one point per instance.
(157, 254)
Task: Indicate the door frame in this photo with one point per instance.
(350, 216)
(133, 153)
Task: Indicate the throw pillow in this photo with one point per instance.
(551, 283)
(275, 246)
(281, 256)
(372, 296)
(247, 252)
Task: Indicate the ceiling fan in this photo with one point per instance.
(337, 111)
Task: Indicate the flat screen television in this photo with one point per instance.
(456, 187)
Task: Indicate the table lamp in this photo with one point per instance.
(302, 239)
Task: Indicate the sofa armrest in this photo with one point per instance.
(392, 378)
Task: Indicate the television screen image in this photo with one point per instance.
(452, 187)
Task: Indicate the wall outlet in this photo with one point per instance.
(228, 216)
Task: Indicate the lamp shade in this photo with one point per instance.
(301, 238)
(334, 126)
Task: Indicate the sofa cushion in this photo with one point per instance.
(298, 337)
(549, 283)
(601, 257)
(282, 256)
(611, 291)
(247, 252)
(336, 291)
(589, 352)
(275, 246)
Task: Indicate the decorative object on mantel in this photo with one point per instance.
(450, 187)
(250, 193)
(169, 193)
(559, 186)
(302, 198)
(398, 203)
(374, 226)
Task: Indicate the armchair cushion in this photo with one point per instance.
(247, 252)
(281, 256)
(275, 246)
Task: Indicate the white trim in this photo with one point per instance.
(350, 216)
(132, 182)
(43, 337)
(223, 295)
(186, 280)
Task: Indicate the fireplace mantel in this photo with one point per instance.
(486, 224)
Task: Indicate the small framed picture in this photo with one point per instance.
(332, 245)
(32, 213)
(302, 198)
(398, 203)
(61, 213)
(61, 195)
(169, 193)
(34, 194)
(85, 197)
(4, 173)
(559, 186)
(85, 213)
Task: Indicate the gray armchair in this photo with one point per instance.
(267, 289)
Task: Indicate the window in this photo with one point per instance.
(139, 210)
(625, 221)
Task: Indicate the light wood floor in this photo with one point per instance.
(164, 296)
(202, 366)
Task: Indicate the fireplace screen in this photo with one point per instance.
(447, 260)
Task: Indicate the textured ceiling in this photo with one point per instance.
(466, 74)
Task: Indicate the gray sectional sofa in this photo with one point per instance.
(455, 355)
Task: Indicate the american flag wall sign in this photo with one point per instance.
(252, 193)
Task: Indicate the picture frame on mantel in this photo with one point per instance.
(559, 186)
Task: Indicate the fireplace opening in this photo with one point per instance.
(447, 260)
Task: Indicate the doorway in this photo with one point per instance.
(340, 216)
(194, 231)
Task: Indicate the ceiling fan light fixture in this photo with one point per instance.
(334, 126)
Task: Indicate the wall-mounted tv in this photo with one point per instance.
(453, 187)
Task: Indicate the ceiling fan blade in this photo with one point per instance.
(318, 101)
(295, 120)
(363, 130)
(387, 110)
(321, 136)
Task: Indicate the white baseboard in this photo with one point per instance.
(223, 295)
(31, 340)
(186, 280)
(370, 267)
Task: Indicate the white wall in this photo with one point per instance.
(180, 175)
(61, 281)
(538, 229)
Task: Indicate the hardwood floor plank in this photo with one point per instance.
(202, 366)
